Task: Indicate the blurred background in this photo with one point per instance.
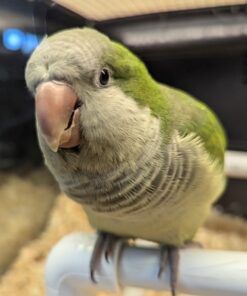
(199, 46)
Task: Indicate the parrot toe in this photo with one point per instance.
(170, 255)
(104, 245)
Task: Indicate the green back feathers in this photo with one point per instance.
(176, 109)
(193, 116)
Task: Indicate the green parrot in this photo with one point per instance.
(144, 159)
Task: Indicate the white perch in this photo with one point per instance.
(236, 164)
(201, 272)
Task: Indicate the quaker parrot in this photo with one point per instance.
(144, 159)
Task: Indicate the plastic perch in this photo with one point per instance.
(201, 272)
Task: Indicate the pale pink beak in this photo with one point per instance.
(58, 114)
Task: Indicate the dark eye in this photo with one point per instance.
(104, 77)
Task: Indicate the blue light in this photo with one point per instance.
(15, 39)
(31, 41)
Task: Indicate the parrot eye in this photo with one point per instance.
(104, 77)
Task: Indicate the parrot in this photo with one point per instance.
(144, 159)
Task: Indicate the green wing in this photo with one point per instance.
(193, 116)
(175, 108)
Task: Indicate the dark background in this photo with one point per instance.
(200, 51)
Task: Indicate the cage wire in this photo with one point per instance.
(39, 16)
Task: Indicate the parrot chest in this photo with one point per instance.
(164, 201)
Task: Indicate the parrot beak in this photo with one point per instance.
(58, 114)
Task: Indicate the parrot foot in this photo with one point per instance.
(170, 255)
(104, 245)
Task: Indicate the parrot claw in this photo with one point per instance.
(96, 254)
(109, 246)
(170, 255)
(104, 245)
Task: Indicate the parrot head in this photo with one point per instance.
(92, 99)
